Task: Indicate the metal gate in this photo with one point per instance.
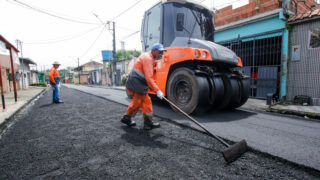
(261, 58)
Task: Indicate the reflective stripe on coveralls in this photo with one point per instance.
(144, 68)
(145, 65)
(142, 101)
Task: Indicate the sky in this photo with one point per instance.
(65, 30)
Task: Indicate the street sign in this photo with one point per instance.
(107, 55)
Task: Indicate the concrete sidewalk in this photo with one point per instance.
(24, 97)
(299, 110)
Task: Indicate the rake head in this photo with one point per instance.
(235, 151)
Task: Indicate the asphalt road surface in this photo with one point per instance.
(288, 137)
(83, 139)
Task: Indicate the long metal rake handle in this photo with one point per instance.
(199, 124)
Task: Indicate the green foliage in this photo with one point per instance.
(124, 80)
(289, 27)
(39, 84)
(127, 54)
(63, 72)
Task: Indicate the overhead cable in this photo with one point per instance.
(126, 10)
(225, 4)
(93, 42)
(125, 37)
(44, 11)
(229, 3)
(60, 40)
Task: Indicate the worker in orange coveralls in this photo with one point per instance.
(54, 81)
(138, 83)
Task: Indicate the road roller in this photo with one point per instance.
(195, 73)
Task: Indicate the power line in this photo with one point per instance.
(60, 40)
(225, 4)
(126, 10)
(125, 28)
(94, 57)
(44, 11)
(229, 3)
(94, 41)
(125, 37)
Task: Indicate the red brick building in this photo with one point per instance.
(228, 15)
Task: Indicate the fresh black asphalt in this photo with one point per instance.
(292, 138)
(83, 139)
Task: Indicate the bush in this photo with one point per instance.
(124, 79)
(39, 84)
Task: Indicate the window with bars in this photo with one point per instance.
(314, 38)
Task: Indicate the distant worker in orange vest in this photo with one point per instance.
(138, 83)
(54, 81)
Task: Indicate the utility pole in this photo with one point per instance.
(19, 43)
(79, 70)
(104, 61)
(114, 54)
(122, 48)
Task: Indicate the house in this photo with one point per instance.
(69, 77)
(8, 60)
(122, 70)
(257, 33)
(89, 73)
(304, 62)
(25, 72)
(36, 77)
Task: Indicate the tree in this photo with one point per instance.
(127, 54)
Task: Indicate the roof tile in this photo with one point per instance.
(308, 14)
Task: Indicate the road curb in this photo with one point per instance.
(303, 114)
(294, 112)
(5, 124)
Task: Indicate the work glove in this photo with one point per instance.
(159, 94)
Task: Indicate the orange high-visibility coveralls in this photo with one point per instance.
(144, 68)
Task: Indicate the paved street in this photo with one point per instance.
(289, 137)
(83, 139)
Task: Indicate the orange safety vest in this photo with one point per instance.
(145, 65)
(141, 76)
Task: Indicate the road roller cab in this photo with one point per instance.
(195, 73)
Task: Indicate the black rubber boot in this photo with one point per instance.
(148, 124)
(128, 121)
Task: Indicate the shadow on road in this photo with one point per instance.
(140, 137)
(209, 116)
(225, 116)
(46, 105)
